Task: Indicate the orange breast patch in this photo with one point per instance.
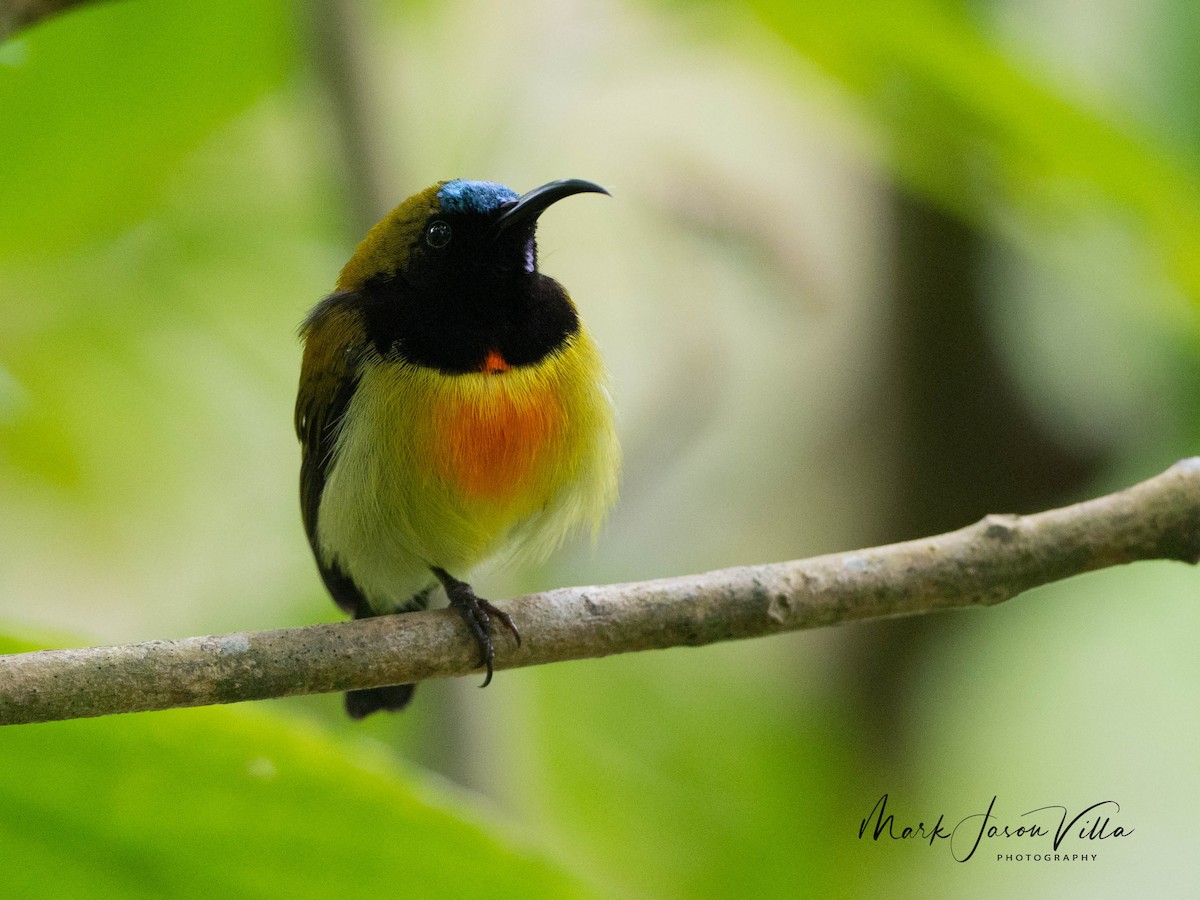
(494, 364)
(491, 443)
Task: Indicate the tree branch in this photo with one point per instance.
(16, 15)
(982, 564)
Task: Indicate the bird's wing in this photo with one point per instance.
(334, 343)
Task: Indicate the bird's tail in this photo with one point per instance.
(393, 698)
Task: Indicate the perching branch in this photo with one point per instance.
(18, 14)
(982, 564)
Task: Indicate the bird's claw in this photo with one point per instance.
(491, 609)
(477, 613)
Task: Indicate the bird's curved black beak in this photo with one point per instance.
(532, 204)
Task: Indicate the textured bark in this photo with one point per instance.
(982, 564)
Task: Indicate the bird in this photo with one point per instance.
(452, 409)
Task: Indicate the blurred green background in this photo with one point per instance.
(870, 272)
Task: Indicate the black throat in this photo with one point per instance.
(459, 329)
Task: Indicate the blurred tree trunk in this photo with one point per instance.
(965, 444)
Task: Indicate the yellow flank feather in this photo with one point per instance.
(447, 471)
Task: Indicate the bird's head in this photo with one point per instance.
(449, 278)
(457, 235)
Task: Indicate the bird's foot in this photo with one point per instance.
(477, 613)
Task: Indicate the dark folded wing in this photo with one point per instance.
(334, 342)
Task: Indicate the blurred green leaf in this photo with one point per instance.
(235, 803)
(100, 105)
(709, 770)
(967, 124)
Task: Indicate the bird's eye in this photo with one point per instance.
(437, 235)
